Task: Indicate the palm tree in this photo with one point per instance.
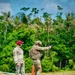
(7, 21)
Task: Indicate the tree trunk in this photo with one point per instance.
(60, 64)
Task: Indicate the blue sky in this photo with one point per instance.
(49, 6)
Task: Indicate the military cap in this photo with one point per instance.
(38, 42)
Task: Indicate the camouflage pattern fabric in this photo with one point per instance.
(36, 51)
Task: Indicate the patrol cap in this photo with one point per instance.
(38, 42)
(19, 42)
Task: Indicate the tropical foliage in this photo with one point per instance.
(59, 32)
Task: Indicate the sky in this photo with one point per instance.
(49, 6)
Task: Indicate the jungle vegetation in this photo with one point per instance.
(58, 32)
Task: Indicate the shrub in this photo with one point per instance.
(67, 67)
(73, 67)
(46, 65)
(54, 68)
(4, 68)
(71, 63)
(28, 64)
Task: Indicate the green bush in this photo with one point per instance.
(54, 68)
(70, 62)
(46, 65)
(67, 67)
(4, 68)
(28, 64)
(11, 65)
(73, 67)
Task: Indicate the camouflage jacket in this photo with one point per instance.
(18, 55)
(36, 51)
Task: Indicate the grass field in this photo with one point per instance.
(51, 73)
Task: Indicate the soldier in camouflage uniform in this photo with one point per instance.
(35, 54)
(18, 58)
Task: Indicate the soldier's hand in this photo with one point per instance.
(50, 47)
(17, 64)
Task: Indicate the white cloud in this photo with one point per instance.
(5, 7)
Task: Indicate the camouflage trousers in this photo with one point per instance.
(37, 65)
(20, 68)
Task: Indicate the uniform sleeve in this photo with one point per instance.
(42, 48)
(15, 55)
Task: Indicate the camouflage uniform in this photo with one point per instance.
(18, 58)
(36, 55)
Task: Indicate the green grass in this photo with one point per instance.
(50, 73)
(60, 73)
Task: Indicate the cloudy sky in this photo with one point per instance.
(49, 6)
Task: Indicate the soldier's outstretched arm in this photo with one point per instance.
(43, 48)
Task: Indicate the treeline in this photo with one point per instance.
(59, 32)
